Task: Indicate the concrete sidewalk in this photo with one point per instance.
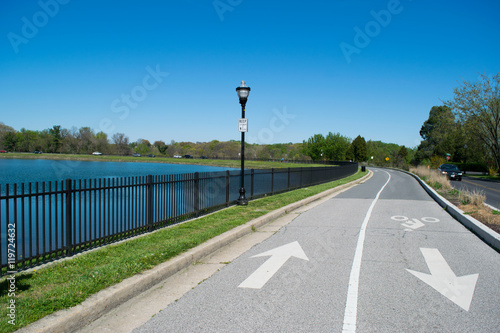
(132, 302)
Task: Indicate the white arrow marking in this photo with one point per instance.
(459, 290)
(278, 258)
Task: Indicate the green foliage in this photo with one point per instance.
(359, 149)
(314, 147)
(436, 161)
(477, 105)
(56, 138)
(336, 147)
(332, 147)
(10, 141)
(161, 146)
(441, 135)
(380, 150)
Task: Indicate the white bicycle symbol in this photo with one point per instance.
(413, 224)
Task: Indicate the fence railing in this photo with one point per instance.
(40, 222)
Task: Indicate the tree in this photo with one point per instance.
(380, 150)
(121, 143)
(85, 144)
(26, 140)
(4, 130)
(55, 132)
(441, 134)
(403, 152)
(358, 149)
(10, 141)
(161, 146)
(313, 147)
(101, 143)
(336, 146)
(479, 102)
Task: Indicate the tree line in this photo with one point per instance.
(86, 141)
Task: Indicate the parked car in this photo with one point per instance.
(177, 156)
(136, 155)
(151, 155)
(96, 153)
(451, 171)
(204, 157)
(3, 151)
(188, 156)
(37, 152)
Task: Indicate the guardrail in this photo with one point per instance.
(40, 222)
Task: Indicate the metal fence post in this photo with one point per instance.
(301, 172)
(288, 181)
(196, 194)
(227, 188)
(150, 202)
(69, 229)
(252, 178)
(272, 181)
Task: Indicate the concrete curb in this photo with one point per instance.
(488, 235)
(95, 306)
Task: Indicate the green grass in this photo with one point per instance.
(110, 158)
(67, 283)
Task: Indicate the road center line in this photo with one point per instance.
(351, 307)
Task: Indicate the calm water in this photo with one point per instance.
(25, 171)
(42, 227)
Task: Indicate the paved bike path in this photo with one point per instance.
(407, 236)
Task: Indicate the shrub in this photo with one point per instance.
(437, 161)
(432, 177)
(475, 198)
(493, 170)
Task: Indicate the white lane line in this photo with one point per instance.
(351, 306)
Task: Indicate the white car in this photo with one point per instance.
(177, 156)
(96, 153)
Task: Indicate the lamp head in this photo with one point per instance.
(243, 91)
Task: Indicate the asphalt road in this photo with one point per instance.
(489, 187)
(380, 257)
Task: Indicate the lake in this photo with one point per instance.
(25, 171)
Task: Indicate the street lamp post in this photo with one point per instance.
(243, 92)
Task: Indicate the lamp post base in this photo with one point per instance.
(242, 201)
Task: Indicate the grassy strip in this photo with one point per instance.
(109, 158)
(487, 177)
(68, 283)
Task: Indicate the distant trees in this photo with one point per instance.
(85, 140)
(335, 147)
(161, 146)
(121, 144)
(332, 147)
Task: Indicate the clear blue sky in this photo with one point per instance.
(369, 68)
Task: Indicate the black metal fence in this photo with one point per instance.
(45, 221)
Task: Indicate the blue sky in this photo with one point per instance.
(167, 70)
